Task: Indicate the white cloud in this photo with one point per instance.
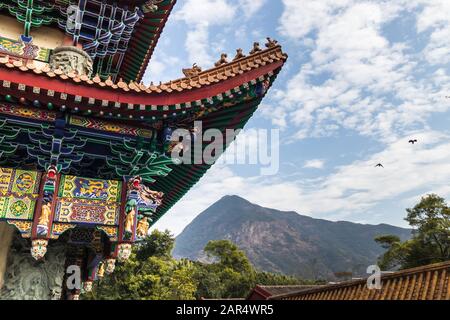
(301, 17)
(202, 15)
(314, 164)
(356, 78)
(276, 114)
(433, 15)
(211, 11)
(250, 7)
(407, 168)
(162, 68)
(199, 16)
(354, 188)
(435, 18)
(353, 77)
(197, 45)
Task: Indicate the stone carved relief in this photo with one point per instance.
(27, 279)
(71, 59)
(150, 6)
(6, 236)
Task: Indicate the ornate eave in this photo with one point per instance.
(222, 97)
(134, 101)
(144, 41)
(90, 159)
(143, 27)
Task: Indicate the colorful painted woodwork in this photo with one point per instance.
(106, 30)
(110, 127)
(18, 195)
(68, 201)
(22, 49)
(85, 147)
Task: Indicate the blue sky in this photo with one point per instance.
(363, 77)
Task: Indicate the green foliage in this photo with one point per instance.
(430, 243)
(152, 274)
(387, 241)
(229, 255)
(272, 279)
(231, 275)
(431, 217)
(158, 244)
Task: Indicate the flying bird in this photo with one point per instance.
(412, 141)
(379, 165)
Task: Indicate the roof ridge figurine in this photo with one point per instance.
(87, 148)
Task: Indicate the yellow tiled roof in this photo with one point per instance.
(431, 282)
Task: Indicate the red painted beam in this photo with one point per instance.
(93, 91)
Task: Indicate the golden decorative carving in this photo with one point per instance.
(129, 221)
(256, 48)
(46, 211)
(150, 196)
(239, 54)
(222, 60)
(101, 270)
(142, 228)
(271, 43)
(192, 72)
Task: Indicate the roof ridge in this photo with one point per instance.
(210, 76)
(394, 275)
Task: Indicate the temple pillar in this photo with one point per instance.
(28, 279)
(6, 235)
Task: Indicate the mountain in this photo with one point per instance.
(285, 242)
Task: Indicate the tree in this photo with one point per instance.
(276, 279)
(387, 241)
(395, 255)
(152, 274)
(431, 217)
(231, 268)
(229, 255)
(430, 241)
(232, 275)
(158, 244)
(210, 284)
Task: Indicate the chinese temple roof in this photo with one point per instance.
(431, 282)
(144, 41)
(85, 146)
(224, 97)
(133, 99)
(119, 35)
(261, 292)
(214, 75)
